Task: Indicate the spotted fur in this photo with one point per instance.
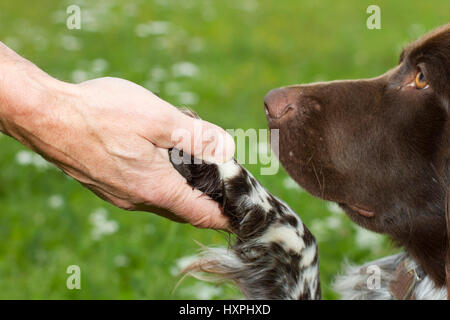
(353, 283)
(274, 255)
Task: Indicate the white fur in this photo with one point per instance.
(229, 169)
(308, 276)
(426, 290)
(284, 235)
(308, 256)
(353, 284)
(259, 196)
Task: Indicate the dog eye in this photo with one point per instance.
(420, 81)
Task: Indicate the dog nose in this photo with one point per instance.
(278, 102)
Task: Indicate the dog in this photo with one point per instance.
(380, 149)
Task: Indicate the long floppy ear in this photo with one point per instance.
(447, 258)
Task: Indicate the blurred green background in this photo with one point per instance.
(219, 58)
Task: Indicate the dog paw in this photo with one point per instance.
(198, 174)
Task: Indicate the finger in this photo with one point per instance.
(188, 204)
(200, 138)
(193, 207)
(162, 212)
(199, 210)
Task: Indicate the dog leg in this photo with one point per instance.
(274, 255)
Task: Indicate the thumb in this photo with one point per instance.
(199, 138)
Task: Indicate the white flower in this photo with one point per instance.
(187, 98)
(79, 76)
(207, 292)
(249, 5)
(152, 28)
(367, 239)
(99, 65)
(334, 208)
(91, 19)
(203, 291)
(101, 225)
(322, 228)
(185, 69)
(333, 222)
(40, 162)
(25, 157)
(56, 201)
(70, 43)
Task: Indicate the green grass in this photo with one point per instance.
(242, 49)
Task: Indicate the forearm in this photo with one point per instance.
(27, 96)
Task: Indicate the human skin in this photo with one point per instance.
(112, 136)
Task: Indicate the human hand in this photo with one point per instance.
(112, 136)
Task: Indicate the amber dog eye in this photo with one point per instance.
(420, 81)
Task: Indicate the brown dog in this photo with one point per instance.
(378, 147)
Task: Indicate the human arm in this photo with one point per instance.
(112, 136)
